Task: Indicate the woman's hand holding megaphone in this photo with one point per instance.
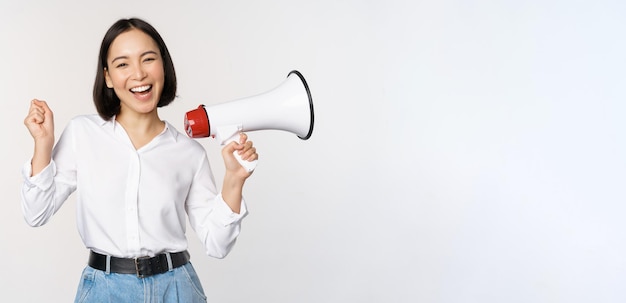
(236, 154)
(240, 157)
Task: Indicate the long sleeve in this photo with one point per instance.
(44, 194)
(215, 223)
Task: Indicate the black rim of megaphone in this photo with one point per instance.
(308, 92)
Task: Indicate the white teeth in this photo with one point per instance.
(140, 89)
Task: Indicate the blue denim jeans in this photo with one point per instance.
(177, 285)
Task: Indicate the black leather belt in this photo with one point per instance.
(142, 267)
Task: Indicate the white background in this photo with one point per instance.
(463, 151)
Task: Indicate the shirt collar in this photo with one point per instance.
(169, 132)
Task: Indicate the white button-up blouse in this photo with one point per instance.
(132, 203)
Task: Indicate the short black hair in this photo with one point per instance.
(106, 101)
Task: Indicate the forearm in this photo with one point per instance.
(42, 155)
(232, 189)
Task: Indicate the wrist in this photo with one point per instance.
(232, 180)
(44, 144)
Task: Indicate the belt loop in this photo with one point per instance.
(169, 261)
(108, 265)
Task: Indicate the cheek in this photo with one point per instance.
(117, 84)
(158, 72)
(116, 79)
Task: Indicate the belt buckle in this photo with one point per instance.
(137, 267)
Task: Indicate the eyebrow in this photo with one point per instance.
(126, 57)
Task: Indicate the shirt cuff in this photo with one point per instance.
(43, 180)
(225, 215)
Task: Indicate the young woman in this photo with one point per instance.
(136, 178)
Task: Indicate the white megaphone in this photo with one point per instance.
(288, 107)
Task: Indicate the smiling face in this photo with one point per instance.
(135, 72)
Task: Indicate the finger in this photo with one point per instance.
(46, 109)
(250, 154)
(231, 147)
(42, 106)
(37, 103)
(35, 115)
(36, 110)
(242, 138)
(243, 148)
(37, 118)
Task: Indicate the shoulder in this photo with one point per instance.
(87, 120)
(183, 140)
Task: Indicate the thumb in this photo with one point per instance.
(231, 148)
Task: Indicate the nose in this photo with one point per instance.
(139, 73)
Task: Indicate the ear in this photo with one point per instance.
(107, 78)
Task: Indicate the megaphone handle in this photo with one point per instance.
(248, 165)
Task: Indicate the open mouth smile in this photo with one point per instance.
(141, 89)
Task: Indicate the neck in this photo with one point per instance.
(141, 123)
(141, 128)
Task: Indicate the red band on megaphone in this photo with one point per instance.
(197, 123)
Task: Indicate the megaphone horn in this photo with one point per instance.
(288, 107)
